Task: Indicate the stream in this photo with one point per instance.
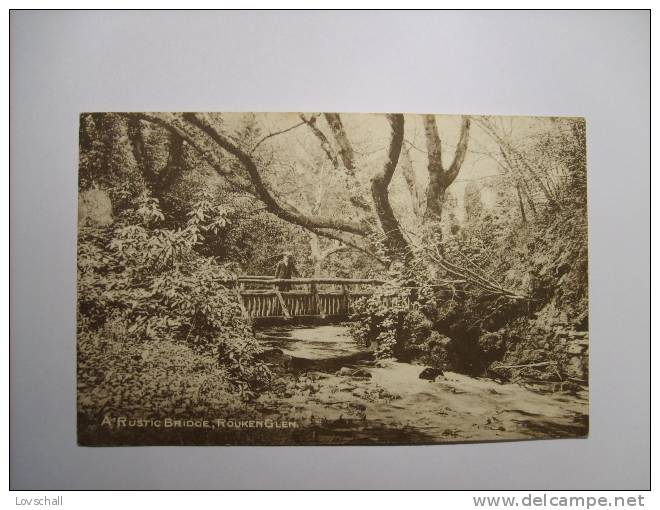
(344, 396)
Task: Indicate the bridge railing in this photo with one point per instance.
(266, 296)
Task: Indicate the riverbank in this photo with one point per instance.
(327, 391)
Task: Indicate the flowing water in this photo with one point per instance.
(347, 396)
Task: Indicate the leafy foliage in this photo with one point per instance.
(540, 257)
(162, 228)
(386, 321)
(156, 324)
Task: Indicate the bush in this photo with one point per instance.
(386, 322)
(118, 375)
(157, 329)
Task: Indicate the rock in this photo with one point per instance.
(94, 208)
(354, 372)
(536, 356)
(569, 387)
(361, 372)
(430, 373)
(576, 348)
(275, 357)
(578, 367)
(492, 346)
(383, 394)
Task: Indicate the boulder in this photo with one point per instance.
(353, 372)
(343, 386)
(275, 357)
(491, 346)
(94, 208)
(537, 356)
(361, 372)
(430, 373)
(578, 367)
(576, 348)
(359, 392)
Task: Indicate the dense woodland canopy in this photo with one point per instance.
(479, 220)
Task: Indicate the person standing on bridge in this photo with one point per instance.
(285, 270)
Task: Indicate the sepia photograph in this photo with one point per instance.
(331, 279)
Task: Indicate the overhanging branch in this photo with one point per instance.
(261, 189)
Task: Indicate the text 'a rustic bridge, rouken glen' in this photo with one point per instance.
(262, 297)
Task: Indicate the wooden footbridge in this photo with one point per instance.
(264, 296)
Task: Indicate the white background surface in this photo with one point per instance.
(591, 64)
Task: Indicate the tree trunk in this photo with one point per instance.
(408, 172)
(395, 242)
(439, 177)
(345, 147)
(174, 165)
(315, 250)
(435, 197)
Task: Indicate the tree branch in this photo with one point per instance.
(333, 249)
(459, 155)
(345, 147)
(408, 172)
(271, 135)
(433, 145)
(262, 191)
(174, 163)
(136, 139)
(439, 179)
(507, 149)
(325, 143)
(212, 159)
(337, 237)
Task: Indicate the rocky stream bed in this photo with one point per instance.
(339, 394)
